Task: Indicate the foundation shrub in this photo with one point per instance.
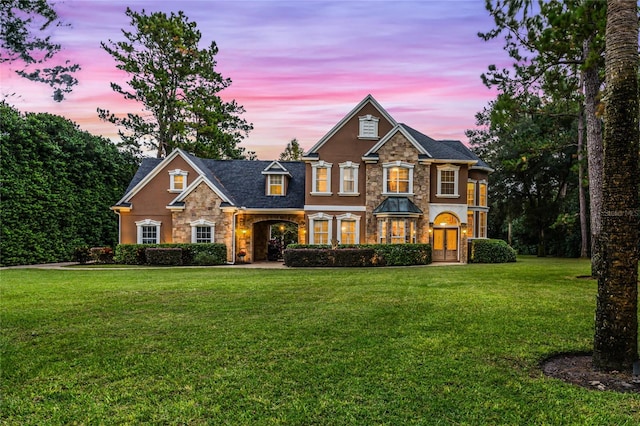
(491, 251)
(192, 254)
(164, 256)
(358, 255)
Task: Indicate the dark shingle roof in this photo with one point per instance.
(397, 205)
(147, 165)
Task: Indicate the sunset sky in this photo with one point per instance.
(297, 66)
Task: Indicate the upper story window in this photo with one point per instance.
(177, 180)
(482, 200)
(448, 181)
(321, 178)
(398, 178)
(368, 127)
(202, 231)
(471, 193)
(148, 231)
(349, 178)
(275, 185)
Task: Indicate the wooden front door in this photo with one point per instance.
(445, 245)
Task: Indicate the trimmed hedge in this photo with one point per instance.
(491, 251)
(357, 255)
(192, 254)
(164, 256)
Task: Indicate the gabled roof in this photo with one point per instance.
(349, 116)
(275, 168)
(372, 153)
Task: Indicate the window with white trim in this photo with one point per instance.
(202, 231)
(398, 178)
(382, 232)
(148, 231)
(482, 224)
(368, 127)
(471, 229)
(349, 178)
(398, 231)
(320, 228)
(471, 193)
(275, 185)
(321, 178)
(448, 181)
(177, 180)
(482, 200)
(349, 228)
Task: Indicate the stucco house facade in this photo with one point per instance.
(368, 180)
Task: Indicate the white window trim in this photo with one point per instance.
(314, 182)
(456, 175)
(147, 222)
(348, 217)
(172, 182)
(486, 193)
(355, 167)
(385, 176)
(281, 185)
(202, 222)
(368, 119)
(475, 192)
(320, 216)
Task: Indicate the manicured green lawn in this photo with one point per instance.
(229, 346)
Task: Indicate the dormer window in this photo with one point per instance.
(368, 127)
(275, 185)
(177, 180)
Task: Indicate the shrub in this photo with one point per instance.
(164, 256)
(192, 254)
(81, 254)
(491, 251)
(358, 255)
(102, 254)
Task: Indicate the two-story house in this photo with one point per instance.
(368, 180)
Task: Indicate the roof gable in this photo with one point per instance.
(275, 168)
(355, 111)
(397, 129)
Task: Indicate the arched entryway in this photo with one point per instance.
(446, 238)
(271, 237)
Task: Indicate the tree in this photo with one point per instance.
(293, 151)
(616, 329)
(558, 49)
(23, 39)
(56, 186)
(178, 86)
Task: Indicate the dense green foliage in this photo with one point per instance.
(326, 257)
(24, 41)
(57, 184)
(168, 256)
(383, 255)
(491, 251)
(176, 83)
(192, 254)
(446, 345)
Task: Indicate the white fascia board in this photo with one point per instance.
(156, 170)
(388, 136)
(348, 117)
(197, 182)
(272, 211)
(311, 207)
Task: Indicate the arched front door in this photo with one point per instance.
(446, 241)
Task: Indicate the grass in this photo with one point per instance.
(226, 346)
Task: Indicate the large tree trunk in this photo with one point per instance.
(616, 328)
(594, 157)
(584, 239)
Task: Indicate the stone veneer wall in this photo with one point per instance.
(203, 203)
(398, 148)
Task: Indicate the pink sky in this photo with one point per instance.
(297, 66)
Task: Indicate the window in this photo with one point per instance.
(482, 225)
(202, 231)
(275, 185)
(349, 228)
(383, 231)
(398, 231)
(349, 178)
(398, 178)
(320, 226)
(148, 231)
(471, 193)
(321, 178)
(177, 180)
(471, 224)
(448, 181)
(368, 127)
(483, 195)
